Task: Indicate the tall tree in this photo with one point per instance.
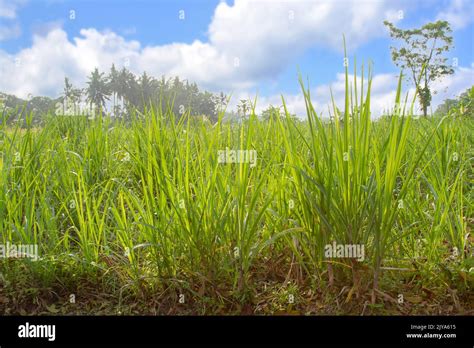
(422, 52)
(97, 90)
(71, 96)
(147, 86)
(127, 87)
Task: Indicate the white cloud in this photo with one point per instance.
(267, 35)
(249, 42)
(383, 91)
(8, 8)
(40, 69)
(459, 13)
(452, 86)
(9, 28)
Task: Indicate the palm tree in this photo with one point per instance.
(126, 87)
(70, 95)
(146, 87)
(98, 90)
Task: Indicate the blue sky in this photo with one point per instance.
(270, 41)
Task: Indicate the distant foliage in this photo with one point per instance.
(121, 93)
(138, 93)
(461, 106)
(14, 109)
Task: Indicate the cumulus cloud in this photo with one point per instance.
(459, 13)
(266, 36)
(452, 86)
(248, 42)
(40, 69)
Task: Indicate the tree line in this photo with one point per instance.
(120, 92)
